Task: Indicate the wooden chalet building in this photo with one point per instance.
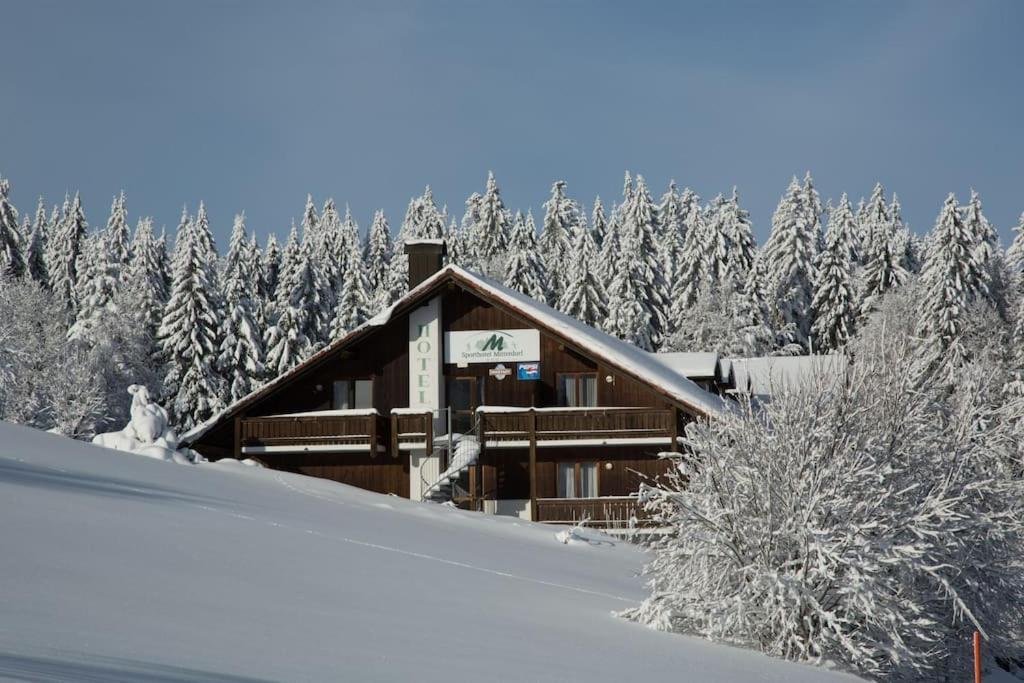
(468, 391)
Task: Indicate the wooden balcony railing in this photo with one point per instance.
(307, 432)
(549, 427)
(600, 512)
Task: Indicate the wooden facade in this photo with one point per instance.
(622, 435)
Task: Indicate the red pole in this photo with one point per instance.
(977, 657)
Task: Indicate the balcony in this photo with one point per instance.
(604, 513)
(506, 427)
(317, 431)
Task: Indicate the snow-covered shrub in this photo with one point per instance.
(148, 433)
(873, 521)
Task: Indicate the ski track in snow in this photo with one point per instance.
(435, 558)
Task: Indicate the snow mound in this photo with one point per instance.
(148, 433)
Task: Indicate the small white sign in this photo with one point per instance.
(499, 372)
(491, 346)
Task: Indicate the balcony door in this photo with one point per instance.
(463, 400)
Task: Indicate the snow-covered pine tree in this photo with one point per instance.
(12, 243)
(791, 252)
(640, 219)
(691, 272)
(883, 265)
(35, 250)
(561, 216)
(873, 219)
(292, 337)
(608, 252)
(353, 303)
(739, 236)
(453, 240)
(813, 206)
(291, 257)
(96, 286)
(271, 271)
(378, 257)
(65, 250)
(145, 282)
(598, 223)
(673, 233)
(844, 221)
(188, 333)
(329, 245)
(986, 255)
(241, 350)
(490, 240)
(118, 236)
(948, 275)
(833, 304)
(524, 268)
(628, 318)
(584, 297)
(468, 230)
(1015, 254)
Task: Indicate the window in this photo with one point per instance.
(353, 393)
(577, 390)
(577, 480)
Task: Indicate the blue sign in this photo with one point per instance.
(530, 371)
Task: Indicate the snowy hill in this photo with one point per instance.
(117, 567)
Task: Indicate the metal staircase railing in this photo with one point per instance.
(447, 478)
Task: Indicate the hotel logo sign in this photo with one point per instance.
(492, 346)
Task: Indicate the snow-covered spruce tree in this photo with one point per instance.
(628, 318)
(1015, 254)
(883, 265)
(291, 256)
(12, 243)
(608, 251)
(752, 315)
(35, 249)
(739, 236)
(352, 307)
(561, 216)
(833, 304)
(454, 244)
(66, 252)
(468, 230)
(378, 258)
(987, 256)
(790, 253)
(490, 239)
(599, 223)
(189, 332)
(96, 286)
(1014, 386)
(844, 221)
(271, 269)
(949, 276)
(240, 362)
(873, 219)
(330, 240)
(640, 223)
(691, 272)
(145, 281)
(524, 268)
(863, 520)
(291, 338)
(813, 207)
(118, 236)
(584, 297)
(711, 323)
(673, 233)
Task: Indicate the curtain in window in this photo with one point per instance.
(588, 480)
(566, 480)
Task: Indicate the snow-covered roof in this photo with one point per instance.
(769, 375)
(630, 359)
(688, 364)
(424, 240)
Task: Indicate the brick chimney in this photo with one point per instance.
(426, 257)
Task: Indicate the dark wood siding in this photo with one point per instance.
(382, 473)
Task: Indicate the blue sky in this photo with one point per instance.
(251, 105)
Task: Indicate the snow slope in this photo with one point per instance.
(120, 568)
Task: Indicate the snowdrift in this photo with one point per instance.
(131, 569)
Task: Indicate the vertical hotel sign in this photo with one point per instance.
(425, 367)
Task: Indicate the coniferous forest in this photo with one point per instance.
(92, 306)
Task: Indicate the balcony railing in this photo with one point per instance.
(618, 512)
(552, 427)
(315, 431)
